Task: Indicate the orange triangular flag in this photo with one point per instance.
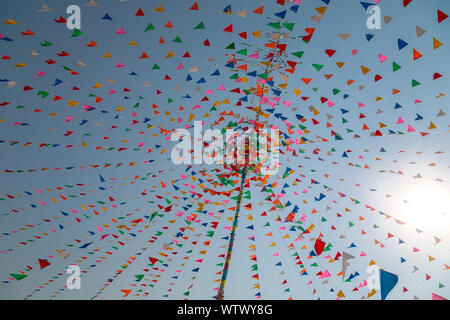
(259, 10)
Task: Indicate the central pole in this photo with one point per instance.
(220, 294)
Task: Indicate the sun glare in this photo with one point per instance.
(428, 208)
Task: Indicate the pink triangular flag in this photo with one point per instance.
(120, 31)
(382, 58)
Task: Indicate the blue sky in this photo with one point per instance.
(410, 152)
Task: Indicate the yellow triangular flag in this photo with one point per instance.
(321, 10)
(365, 69)
(436, 43)
(257, 34)
(341, 294)
(169, 55)
(159, 9)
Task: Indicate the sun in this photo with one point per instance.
(428, 208)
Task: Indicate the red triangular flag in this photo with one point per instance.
(194, 6)
(406, 2)
(140, 13)
(43, 263)
(228, 28)
(441, 16)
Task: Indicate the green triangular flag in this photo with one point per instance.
(298, 54)
(46, 44)
(76, 33)
(263, 75)
(230, 46)
(149, 27)
(275, 25)
(289, 25)
(395, 66)
(317, 66)
(415, 83)
(200, 26)
(18, 276)
(139, 277)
